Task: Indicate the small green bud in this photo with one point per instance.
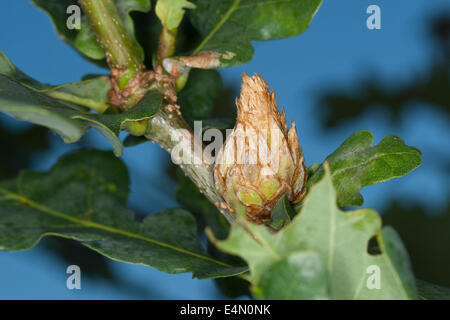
(136, 128)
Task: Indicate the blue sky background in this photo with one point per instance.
(337, 50)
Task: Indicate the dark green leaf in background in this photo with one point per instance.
(83, 197)
(218, 123)
(206, 213)
(356, 164)
(228, 26)
(425, 232)
(197, 97)
(281, 214)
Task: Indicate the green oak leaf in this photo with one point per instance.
(110, 125)
(62, 108)
(8, 69)
(26, 104)
(207, 216)
(218, 123)
(91, 93)
(197, 97)
(339, 239)
(84, 40)
(188, 195)
(69, 120)
(229, 26)
(281, 280)
(171, 12)
(281, 214)
(356, 164)
(149, 31)
(83, 197)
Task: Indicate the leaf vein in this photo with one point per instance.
(95, 225)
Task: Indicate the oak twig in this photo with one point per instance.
(131, 81)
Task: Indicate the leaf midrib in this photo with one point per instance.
(95, 225)
(234, 7)
(391, 267)
(224, 19)
(365, 162)
(52, 91)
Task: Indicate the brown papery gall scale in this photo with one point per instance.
(261, 159)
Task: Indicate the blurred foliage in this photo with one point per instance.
(19, 147)
(431, 87)
(426, 237)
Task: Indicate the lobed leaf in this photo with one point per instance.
(83, 197)
(340, 241)
(356, 164)
(229, 26)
